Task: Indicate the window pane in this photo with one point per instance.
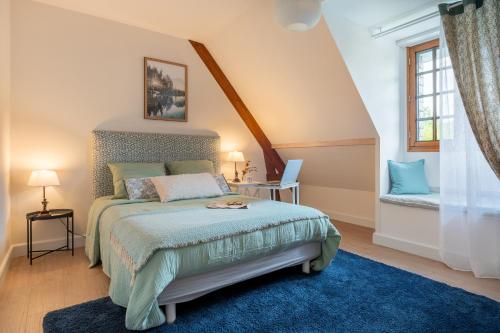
(447, 128)
(438, 129)
(425, 107)
(438, 82)
(424, 61)
(439, 100)
(447, 84)
(424, 130)
(447, 103)
(442, 61)
(424, 84)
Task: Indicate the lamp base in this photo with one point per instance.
(44, 205)
(236, 179)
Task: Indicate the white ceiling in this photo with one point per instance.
(371, 13)
(202, 19)
(190, 19)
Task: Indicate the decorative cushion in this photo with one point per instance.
(140, 188)
(187, 186)
(408, 177)
(196, 166)
(222, 182)
(122, 171)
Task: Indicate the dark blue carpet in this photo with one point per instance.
(353, 295)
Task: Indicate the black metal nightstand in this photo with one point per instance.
(53, 214)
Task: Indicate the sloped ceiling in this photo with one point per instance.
(295, 84)
(188, 19)
(299, 90)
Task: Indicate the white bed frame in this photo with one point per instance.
(188, 288)
(112, 147)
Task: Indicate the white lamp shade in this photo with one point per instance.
(43, 178)
(236, 156)
(298, 15)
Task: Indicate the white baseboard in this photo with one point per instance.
(4, 266)
(349, 218)
(19, 250)
(404, 245)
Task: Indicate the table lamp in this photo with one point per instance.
(43, 178)
(236, 156)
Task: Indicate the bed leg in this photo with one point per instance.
(170, 313)
(306, 267)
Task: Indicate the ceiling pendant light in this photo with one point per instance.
(298, 15)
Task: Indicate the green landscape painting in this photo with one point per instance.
(165, 90)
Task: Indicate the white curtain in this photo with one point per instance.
(470, 191)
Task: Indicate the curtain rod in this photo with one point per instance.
(455, 4)
(412, 22)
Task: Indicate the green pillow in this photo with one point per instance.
(122, 171)
(408, 177)
(198, 166)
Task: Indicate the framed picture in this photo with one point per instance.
(165, 90)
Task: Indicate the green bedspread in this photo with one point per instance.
(144, 245)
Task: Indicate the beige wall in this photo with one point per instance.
(353, 206)
(340, 181)
(4, 125)
(349, 167)
(72, 73)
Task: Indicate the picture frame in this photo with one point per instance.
(165, 90)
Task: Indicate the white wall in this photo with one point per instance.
(72, 73)
(4, 126)
(431, 158)
(431, 166)
(378, 68)
(374, 67)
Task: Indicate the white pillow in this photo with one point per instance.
(186, 186)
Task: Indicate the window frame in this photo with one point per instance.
(411, 83)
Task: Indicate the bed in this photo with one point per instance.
(160, 254)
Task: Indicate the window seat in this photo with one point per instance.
(410, 223)
(427, 201)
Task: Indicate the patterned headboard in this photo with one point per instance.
(111, 146)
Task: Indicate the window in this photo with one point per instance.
(423, 97)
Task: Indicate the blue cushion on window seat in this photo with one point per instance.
(408, 177)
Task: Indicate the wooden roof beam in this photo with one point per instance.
(274, 164)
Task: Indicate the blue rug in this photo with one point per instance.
(354, 294)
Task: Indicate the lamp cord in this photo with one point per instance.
(74, 233)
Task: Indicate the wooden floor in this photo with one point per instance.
(59, 280)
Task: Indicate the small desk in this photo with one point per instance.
(272, 189)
